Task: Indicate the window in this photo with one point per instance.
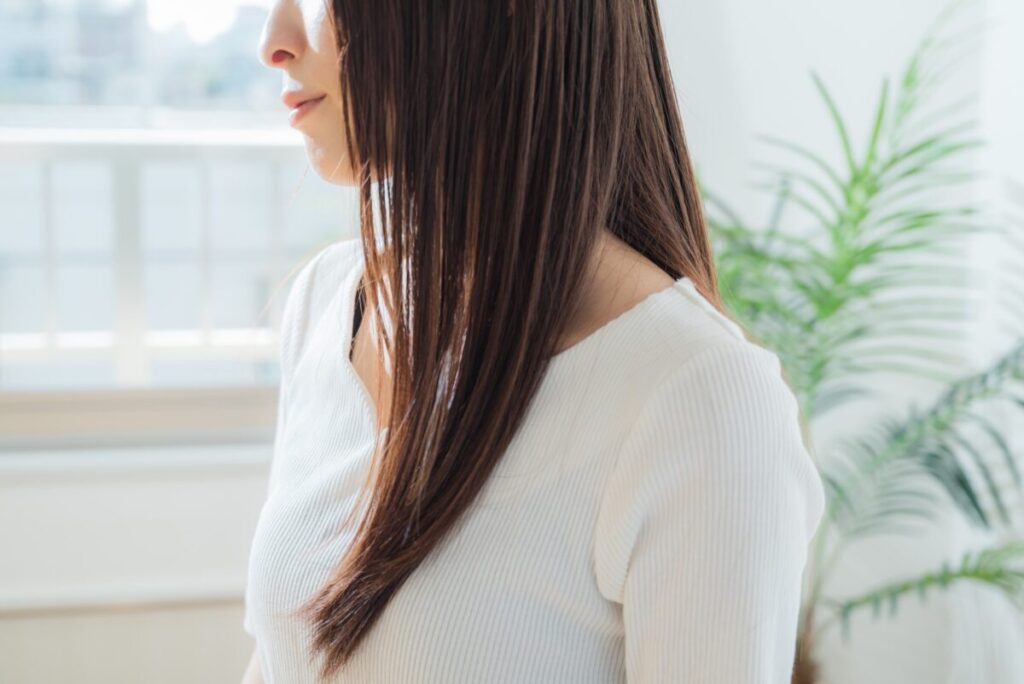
(154, 203)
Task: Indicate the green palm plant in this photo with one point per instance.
(860, 270)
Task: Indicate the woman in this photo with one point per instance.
(518, 439)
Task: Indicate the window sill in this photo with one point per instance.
(137, 417)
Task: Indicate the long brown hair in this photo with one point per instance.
(494, 140)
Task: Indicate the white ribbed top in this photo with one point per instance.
(649, 522)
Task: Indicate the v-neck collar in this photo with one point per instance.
(348, 295)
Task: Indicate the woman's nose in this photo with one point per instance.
(278, 56)
(282, 38)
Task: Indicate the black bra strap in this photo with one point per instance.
(358, 316)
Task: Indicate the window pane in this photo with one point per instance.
(171, 195)
(82, 204)
(173, 292)
(315, 211)
(157, 253)
(240, 290)
(21, 196)
(85, 295)
(240, 195)
(23, 303)
(126, 53)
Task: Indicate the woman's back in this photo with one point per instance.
(657, 488)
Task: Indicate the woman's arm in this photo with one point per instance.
(703, 531)
(252, 672)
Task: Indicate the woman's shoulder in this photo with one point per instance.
(316, 280)
(721, 376)
(690, 334)
(326, 264)
(712, 396)
(716, 435)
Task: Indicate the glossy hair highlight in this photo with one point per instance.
(493, 141)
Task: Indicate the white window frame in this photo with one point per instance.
(134, 413)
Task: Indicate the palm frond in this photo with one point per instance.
(1001, 568)
(931, 442)
(1010, 279)
(808, 293)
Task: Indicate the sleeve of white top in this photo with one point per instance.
(282, 403)
(288, 333)
(704, 525)
(298, 311)
(306, 297)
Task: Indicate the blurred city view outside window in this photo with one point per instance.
(153, 200)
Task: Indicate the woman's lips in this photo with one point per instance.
(300, 111)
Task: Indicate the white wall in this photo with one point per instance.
(126, 565)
